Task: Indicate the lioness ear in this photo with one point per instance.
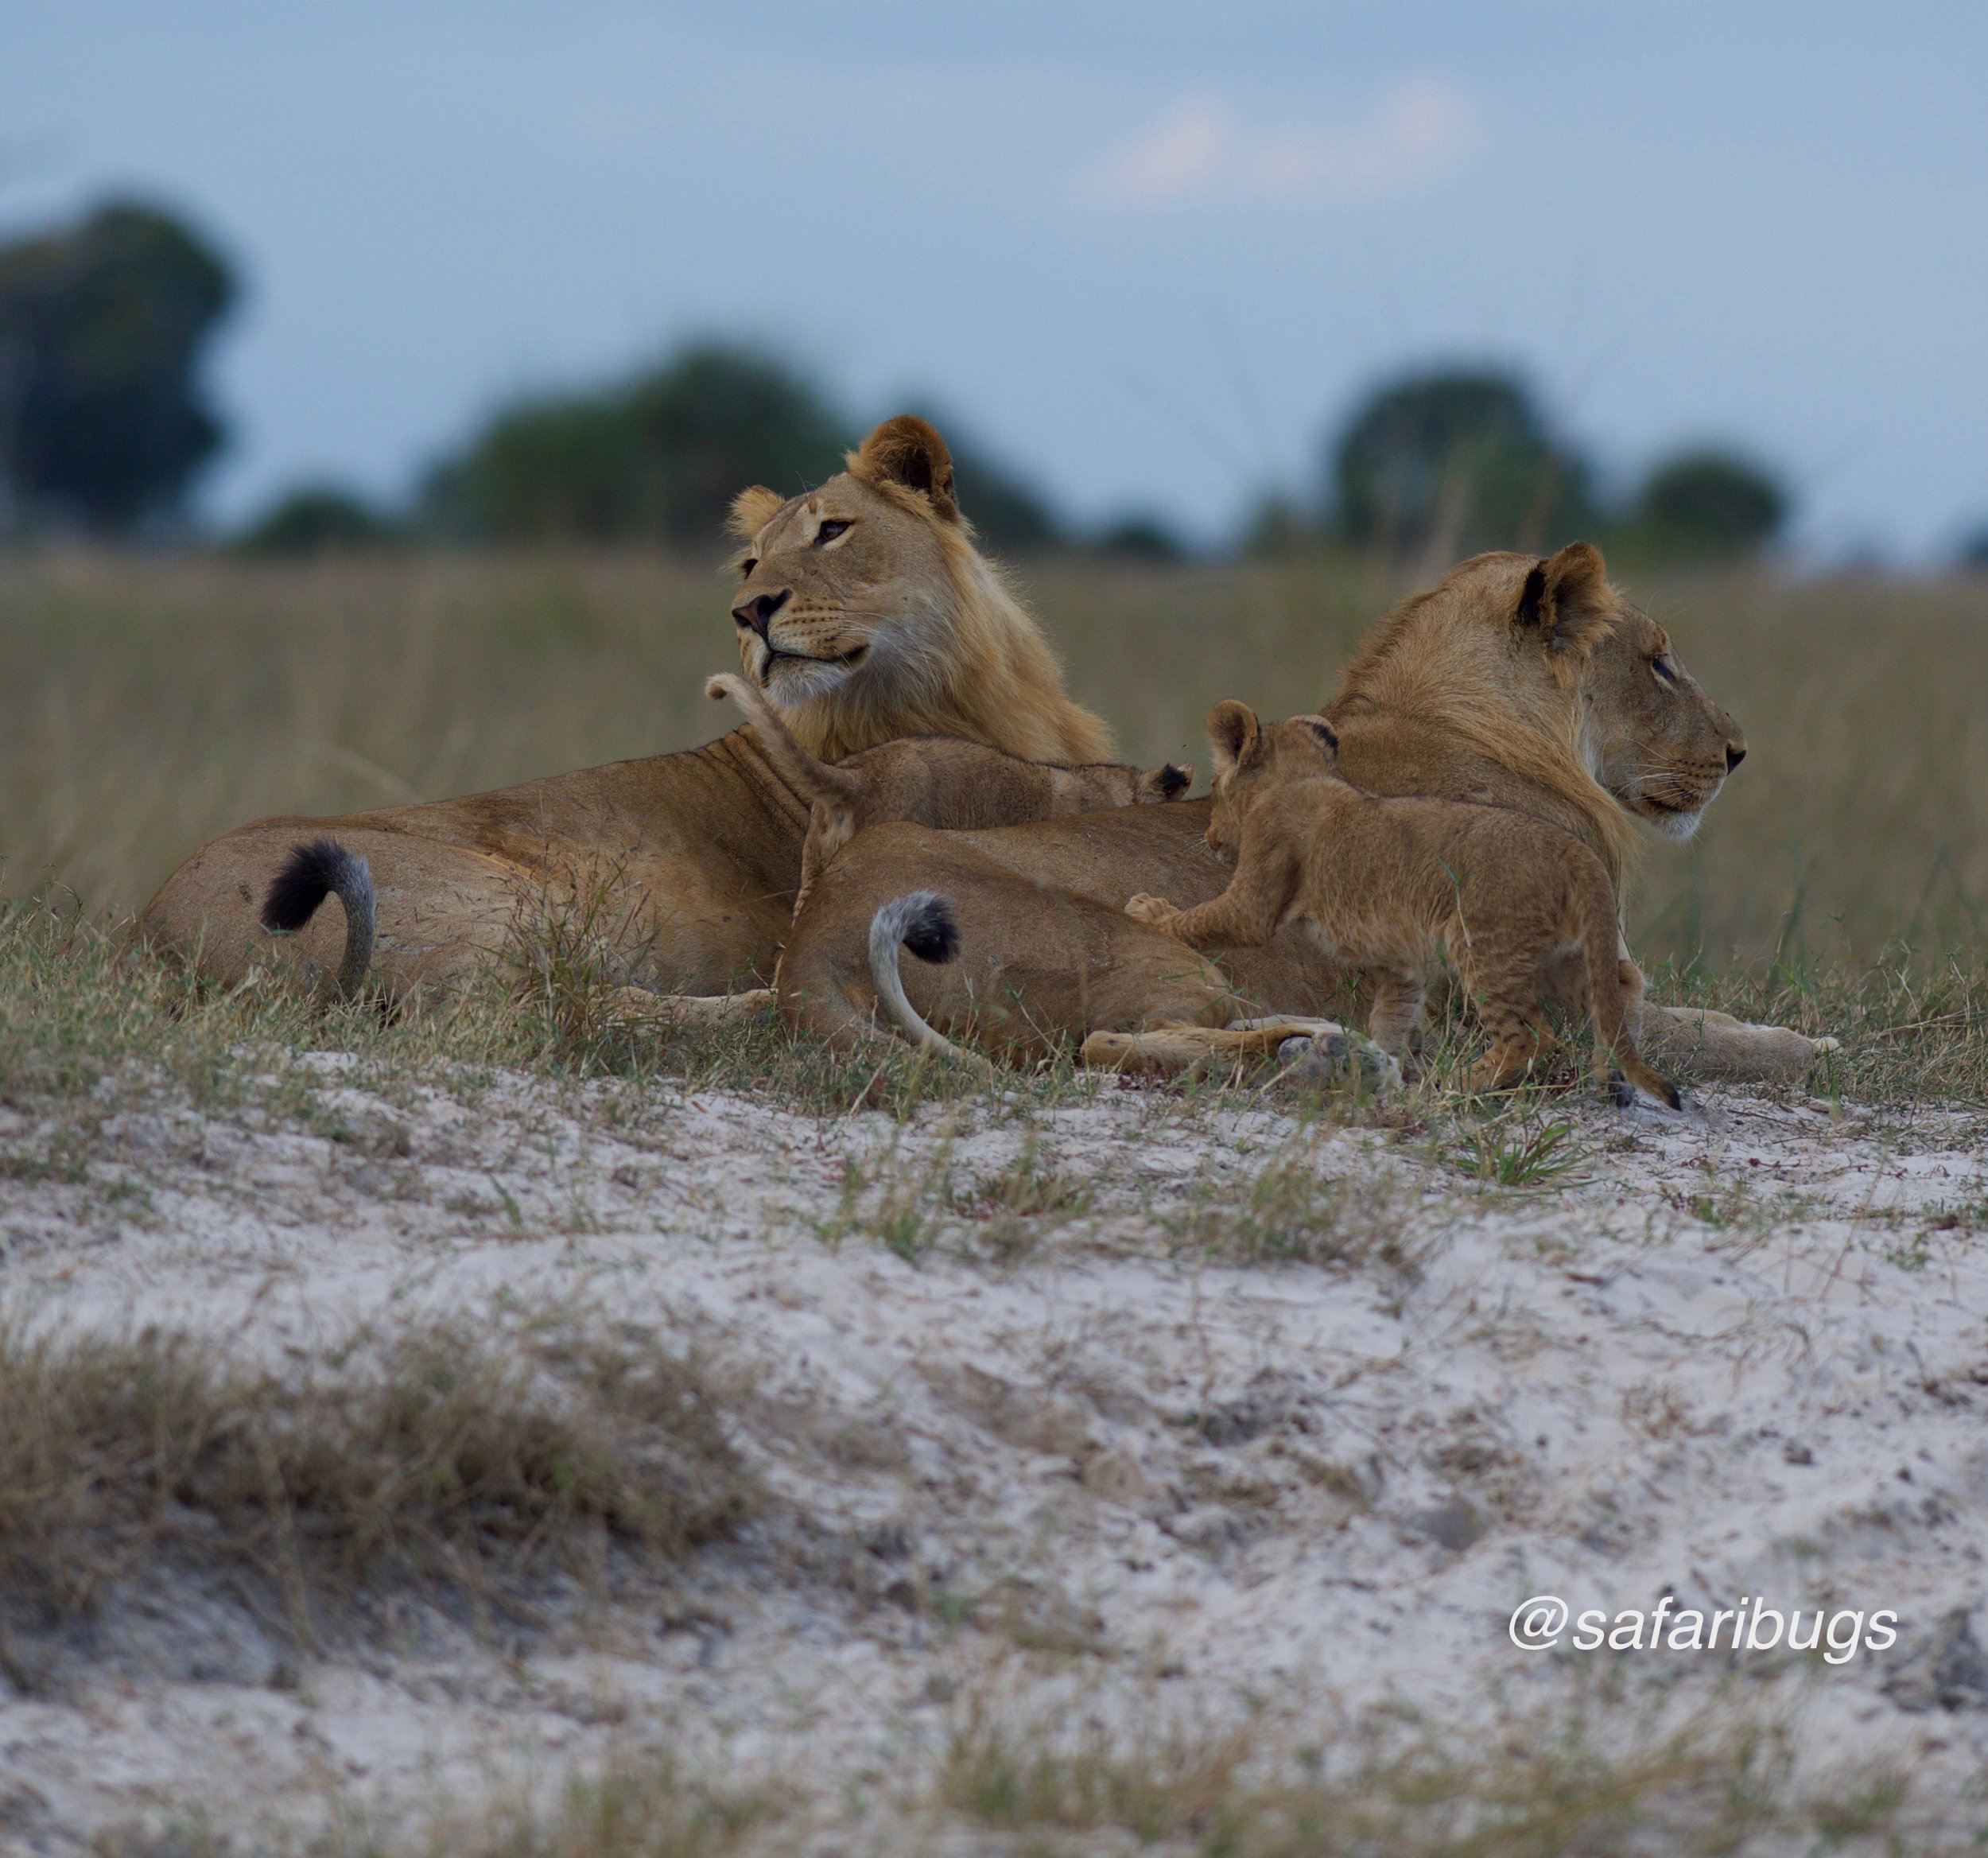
(907, 451)
(1565, 598)
(1233, 733)
(752, 509)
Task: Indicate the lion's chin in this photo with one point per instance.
(792, 677)
(1674, 822)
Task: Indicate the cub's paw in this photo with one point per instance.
(1155, 910)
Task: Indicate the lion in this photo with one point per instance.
(939, 781)
(1399, 887)
(863, 612)
(1079, 970)
(1524, 681)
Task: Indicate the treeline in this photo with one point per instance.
(1434, 466)
(1443, 464)
(105, 426)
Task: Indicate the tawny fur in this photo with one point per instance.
(701, 849)
(865, 613)
(1399, 887)
(941, 781)
(1534, 683)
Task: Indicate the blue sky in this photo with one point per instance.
(1148, 253)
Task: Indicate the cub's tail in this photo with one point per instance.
(314, 870)
(923, 921)
(817, 781)
(1608, 1008)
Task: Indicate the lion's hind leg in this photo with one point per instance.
(1505, 994)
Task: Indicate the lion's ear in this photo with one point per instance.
(1233, 733)
(753, 509)
(1565, 598)
(908, 451)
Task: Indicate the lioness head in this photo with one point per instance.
(1248, 755)
(1649, 732)
(865, 613)
(1532, 682)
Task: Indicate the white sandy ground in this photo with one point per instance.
(1740, 1350)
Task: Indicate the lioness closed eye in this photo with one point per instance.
(1391, 885)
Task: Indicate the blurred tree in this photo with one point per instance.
(1449, 463)
(317, 519)
(1277, 527)
(661, 458)
(1140, 537)
(102, 420)
(1973, 552)
(1706, 505)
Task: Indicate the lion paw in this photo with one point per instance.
(1150, 909)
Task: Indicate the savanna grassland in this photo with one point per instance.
(146, 704)
(501, 1428)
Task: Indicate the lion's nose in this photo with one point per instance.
(757, 613)
(1735, 754)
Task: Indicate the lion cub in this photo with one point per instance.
(1390, 886)
(942, 781)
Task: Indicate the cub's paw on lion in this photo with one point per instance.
(1155, 910)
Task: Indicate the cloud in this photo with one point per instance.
(1204, 151)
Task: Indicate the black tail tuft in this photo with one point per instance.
(308, 876)
(1174, 780)
(931, 933)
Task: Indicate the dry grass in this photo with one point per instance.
(145, 705)
(636, 1807)
(1295, 1207)
(1544, 1788)
(475, 1453)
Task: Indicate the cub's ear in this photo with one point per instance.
(907, 451)
(1233, 733)
(1323, 733)
(1565, 601)
(752, 509)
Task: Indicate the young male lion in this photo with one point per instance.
(864, 611)
(1396, 887)
(944, 782)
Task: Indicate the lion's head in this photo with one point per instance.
(1533, 682)
(865, 613)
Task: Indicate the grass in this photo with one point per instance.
(1548, 1785)
(147, 704)
(1297, 1208)
(471, 1452)
(1535, 1789)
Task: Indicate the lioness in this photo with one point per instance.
(933, 781)
(1395, 887)
(864, 611)
(1524, 681)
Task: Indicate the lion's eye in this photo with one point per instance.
(829, 530)
(1666, 671)
(746, 568)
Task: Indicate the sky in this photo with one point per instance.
(1150, 255)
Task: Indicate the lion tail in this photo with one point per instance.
(1608, 1008)
(922, 921)
(315, 869)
